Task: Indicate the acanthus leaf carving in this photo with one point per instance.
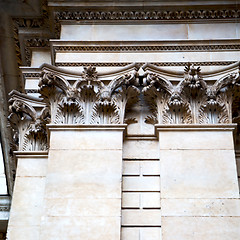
(88, 100)
(192, 100)
(157, 92)
(29, 126)
(177, 111)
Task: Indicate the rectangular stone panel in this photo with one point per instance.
(143, 233)
(149, 168)
(199, 228)
(143, 57)
(217, 140)
(24, 233)
(83, 207)
(27, 202)
(200, 207)
(137, 32)
(198, 174)
(140, 149)
(141, 200)
(86, 140)
(150, 200)
(141, 184)
(145, 168)
(131, 168)
(84, 174)
(130, 200)
(75, 228)
(141, 217)
(32, 167)
(130, 32)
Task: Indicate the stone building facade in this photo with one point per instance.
(123, 123)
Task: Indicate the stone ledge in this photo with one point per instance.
(31, 154)
(195, 127)
(84, 127)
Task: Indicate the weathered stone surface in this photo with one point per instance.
(200, 207)
(141, 183)
(141, 218)
(83, 183)
(141, 200)
(135, 233)
(198, 174)
(198, 228)
(140, 149)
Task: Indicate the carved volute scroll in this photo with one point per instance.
(88, 100)
(186, 97)
(28, 124)
(192, 100)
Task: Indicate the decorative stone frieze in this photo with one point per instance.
(162, 15)
(122, 64)
(191, 100)
(88, 100)
(144, 48)
(28, 123)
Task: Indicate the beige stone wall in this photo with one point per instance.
(83, 183)
(27, 203)
(199, 187)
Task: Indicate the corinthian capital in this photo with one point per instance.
(193, 96)
(88, 97)
(28, 124)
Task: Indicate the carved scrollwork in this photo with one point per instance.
(157, 93)
(29, 126)
(92, 99)
(88, 100)
(192, 100)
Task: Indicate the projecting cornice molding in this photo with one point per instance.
(88, 98)
(160, 15)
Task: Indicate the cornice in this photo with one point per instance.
(138, 3)
(195, 127)
(26, 98)
(204, 14)
(150, 15)
(28, 25)
(30, 43)
(65, 72)
(86, 127)
(122, 64)
(31, 154)
(186, 48)
(43, 24)
(158, 70)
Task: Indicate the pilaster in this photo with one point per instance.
(83, 184)
(199, 185)
(27, 202)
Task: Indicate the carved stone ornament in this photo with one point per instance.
(173, 97)
(192, 100)
(28, 124)
(88, 100)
